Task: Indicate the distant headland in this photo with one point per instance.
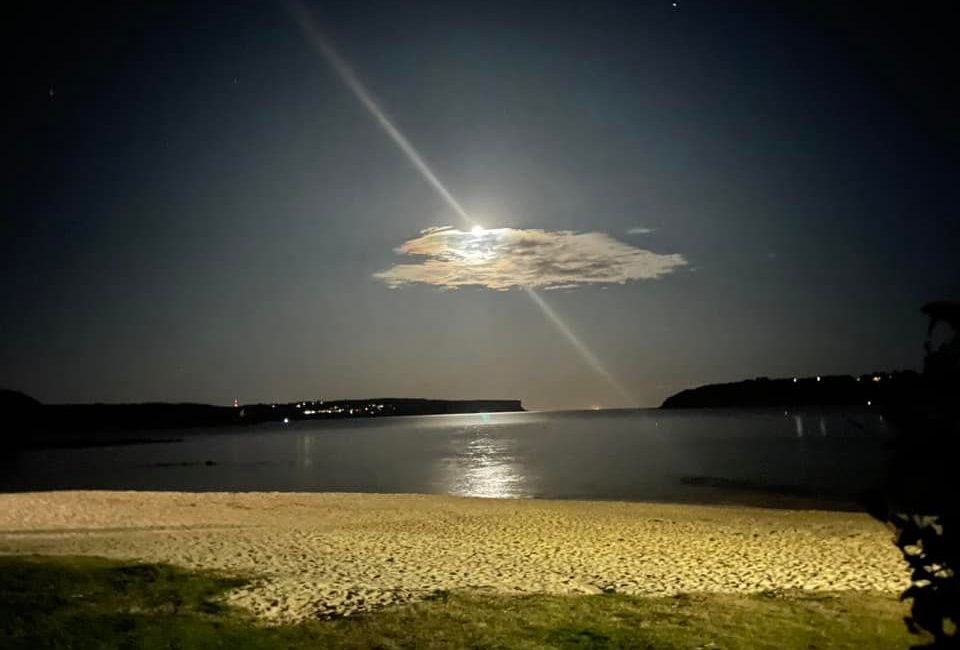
(836, 390)
(65, 425)
(374, 407)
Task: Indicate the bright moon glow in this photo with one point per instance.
(505, 258)
(476, 258)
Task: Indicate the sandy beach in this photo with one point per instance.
(340, 554)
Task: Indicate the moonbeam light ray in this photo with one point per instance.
(345, 73)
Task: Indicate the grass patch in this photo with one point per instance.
(89, 603)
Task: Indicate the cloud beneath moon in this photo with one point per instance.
(504, 258)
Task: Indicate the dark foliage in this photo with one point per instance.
(920, 499)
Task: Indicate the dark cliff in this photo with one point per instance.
(842, 390)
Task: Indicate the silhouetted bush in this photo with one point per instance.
(920, 499)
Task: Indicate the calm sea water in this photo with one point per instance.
(688, 455)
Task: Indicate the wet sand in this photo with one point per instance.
(339, 554)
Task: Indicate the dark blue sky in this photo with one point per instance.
(195, 205)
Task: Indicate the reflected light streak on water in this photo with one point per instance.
(644, 455)
(305, 451)
(484, 468)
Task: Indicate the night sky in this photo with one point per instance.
(196, 206)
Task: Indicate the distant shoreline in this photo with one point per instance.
(37, 425)
(871, 389)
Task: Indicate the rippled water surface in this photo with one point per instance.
(688, 455)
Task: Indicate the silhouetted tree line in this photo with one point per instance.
(920, 498)
(29, 424)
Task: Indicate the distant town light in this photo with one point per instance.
(877, 378)
(794, 380)
(818, 378)
(286, 420)
(869, 403)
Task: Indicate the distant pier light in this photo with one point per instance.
(818, 378)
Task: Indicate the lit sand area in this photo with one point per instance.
(337, 554)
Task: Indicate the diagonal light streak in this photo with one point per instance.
(347, 76)
(336, 62)
(579, 346)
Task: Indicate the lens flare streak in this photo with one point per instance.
(579, 346)
(350, 80)
(347, 76)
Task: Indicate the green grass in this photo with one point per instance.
(87, 603)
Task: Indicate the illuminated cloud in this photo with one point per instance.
(503, 258)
